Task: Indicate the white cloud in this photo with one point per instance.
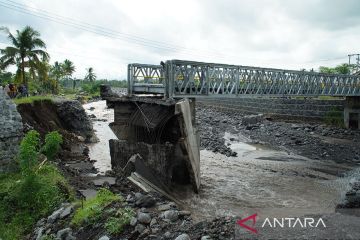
(268, 33)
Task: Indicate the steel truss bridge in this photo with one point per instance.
(179, 79)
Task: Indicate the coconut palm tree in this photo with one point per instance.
(90, 75)
(68, 68)
(57, 71)
(26, 51)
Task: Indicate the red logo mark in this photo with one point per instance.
(253, 218)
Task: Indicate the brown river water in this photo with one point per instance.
(260, 180)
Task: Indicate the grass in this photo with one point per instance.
(335, 117)
(24, 199)
(92, 209)
(34, 191)
(32, 99)
(115, 225)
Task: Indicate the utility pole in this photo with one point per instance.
(356, 64)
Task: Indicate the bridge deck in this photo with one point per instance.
(177, 78)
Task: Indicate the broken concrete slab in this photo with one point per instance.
(164, 136)
(102, 180)
(88, 193)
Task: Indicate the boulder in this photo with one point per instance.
(183, 236)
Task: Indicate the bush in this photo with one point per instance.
(334, 117)
(91, 88)
(53, 140)
(93, 208)
(32, 193)
(29, 152)
(25, 199)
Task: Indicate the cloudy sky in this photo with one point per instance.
(109, 34)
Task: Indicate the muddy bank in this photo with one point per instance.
(312, 140)
(70, 120)
(331, 150)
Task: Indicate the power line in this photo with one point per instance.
(96, 30)
(99, 30)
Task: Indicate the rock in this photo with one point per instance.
(11, 131)
(155, 230)
(104, 238)
(66, 212)
(171, 215)
(153, 222)
(75, 118)
(55, 215)
(184, 213)
(65, 234)
(101, 181)
(167, 234)
(144, 218)
(88, 193)
(81, 138)
(205, 238)
(39, 233)
(138, 195)
(41, 222)
(129, 198)
(133, 221)
(140, 228)
(164, 207)
(92, 108)
(183, 236)
(145, 201)
(252, 119)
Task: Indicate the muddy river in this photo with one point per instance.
(259, 180)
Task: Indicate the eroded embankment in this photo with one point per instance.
(71, 121)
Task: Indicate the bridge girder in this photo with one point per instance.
(178, 79)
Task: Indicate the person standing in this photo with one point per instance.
(7, 89)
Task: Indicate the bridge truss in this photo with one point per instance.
(177, 78)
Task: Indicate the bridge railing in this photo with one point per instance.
(145, 78)
(196, 79)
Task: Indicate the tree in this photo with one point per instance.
(25, 52)
(343, 68)
(68, 68)
(5, 77)
(57, 71)
(90, 75)
(339, 69)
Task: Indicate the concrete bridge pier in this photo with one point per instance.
(352, 112)
(157, 139)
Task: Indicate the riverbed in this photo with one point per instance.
(258, 180)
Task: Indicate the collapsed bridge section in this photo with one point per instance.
(157, 139)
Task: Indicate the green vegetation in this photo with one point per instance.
(92, 209)
(335, 117)
(90, 75)
(339, 69)
(32, 99)
(115, 225)
(52, 144)
(87, 87)
(25, 52)
(33, 192)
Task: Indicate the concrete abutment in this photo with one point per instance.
(352, 112)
